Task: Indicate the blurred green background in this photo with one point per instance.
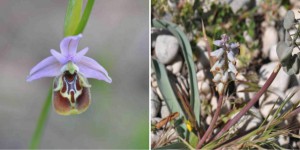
(117, 36)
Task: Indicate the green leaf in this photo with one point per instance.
(85, 16)
(72, 17)
(188, 56)
(168, 94)
(37, 135)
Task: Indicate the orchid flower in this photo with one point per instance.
(71, 94)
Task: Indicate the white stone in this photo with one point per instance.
(284, 141)
(208, 119)
(280, 82)
(200, 75)
(155, 120)
(239, 4)
(203, 86)
(155, 105)
(269, 39)
(295, 99)
(214, 103)
(177, 64)
(164, 112)
(271, 103)
(166, 48)
(169, 67)
(154, 84)
(273, 54)
(225, 107)
(246, 96)
(251, 120)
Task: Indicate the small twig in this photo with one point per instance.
(212, 124)
(256, 97)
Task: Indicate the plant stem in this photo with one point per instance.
(37, 135)
(85, 17)
(212, 124)
(251, 102)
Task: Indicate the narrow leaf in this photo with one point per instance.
(72, 17)
(85, 17)
(168, 93)
(188, 56)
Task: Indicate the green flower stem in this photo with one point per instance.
(212, 124)
(37, 135)
(85, 17)
(251, 102)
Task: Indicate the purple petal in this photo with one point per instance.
(217, 53)
(232, 68)
(234, 45)
(218, 42)
(80, 54)
(49, 67)
(91, 69)
(61, 58)
(68, 45)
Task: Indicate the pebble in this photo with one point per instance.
(203, 87)
(246, 96)
(272, 54)
(169, 68)
(236, 5)
(200, 75)
(164, 112)
(295, 99)
(283, 141)
(269, 39)
(225, 107)
(280, 82)
(166, 48)
(249, 121)
(177, 65)
(155, 120)
(155, 105)
(266, 105)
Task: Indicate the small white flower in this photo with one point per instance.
(225, 77)
(218, 53)
(218, 65)
(232, 68)
(217, 77)
(230, 56)
(220, 87)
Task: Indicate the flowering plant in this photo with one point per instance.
(71, 89)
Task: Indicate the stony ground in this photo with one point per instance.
(166, 49)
